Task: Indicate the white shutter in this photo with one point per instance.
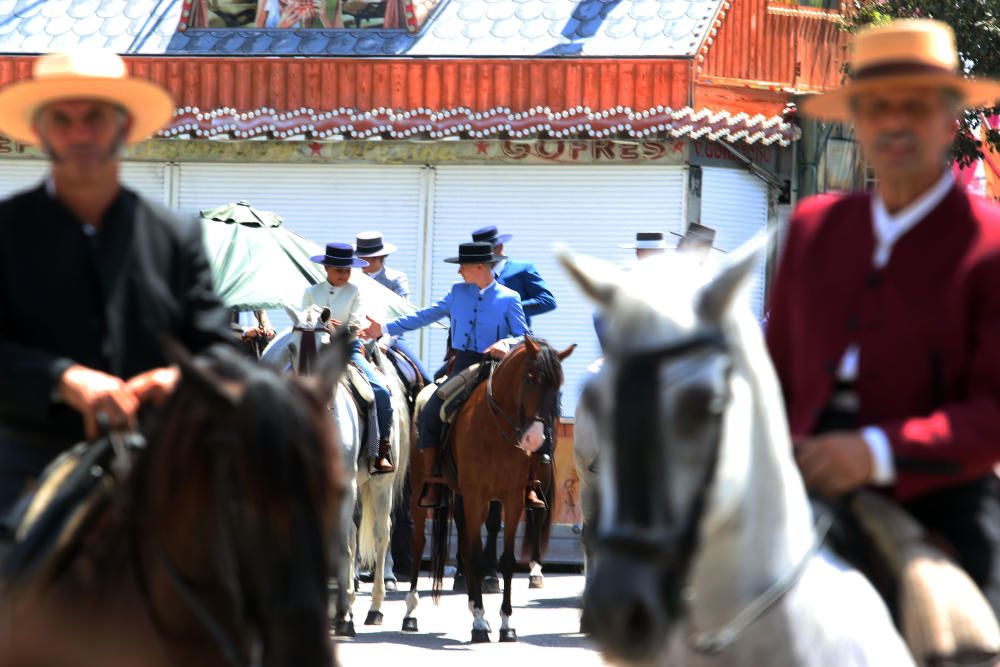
(734, 204)
(592, 209)
(146, 178)
(322, 202)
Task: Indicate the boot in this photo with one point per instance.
(383, 463)
(430, 496)
(533, 497)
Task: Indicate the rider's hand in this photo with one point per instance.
(91, 393)
(374, 330)
(498, 350)
(835, 463)
(155, 385)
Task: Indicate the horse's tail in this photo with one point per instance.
(404, 438)
(370, 513)
(440, 537)
(538, 523)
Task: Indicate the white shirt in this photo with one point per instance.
(888, 228)
(344, 302)
(498, 267)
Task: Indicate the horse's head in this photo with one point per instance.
(523, 391)
(661, 404)
(233, 508)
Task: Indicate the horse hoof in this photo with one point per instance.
(491, 585)
(391, 585)
(480, 637)
(459, 584)
(508, 635)
(344, 629)
(374, 618)
(409, 624)
(536, 581)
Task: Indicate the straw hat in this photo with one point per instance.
(89, 75)
(912, 52)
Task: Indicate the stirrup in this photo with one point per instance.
(426, 490)
(541, 504)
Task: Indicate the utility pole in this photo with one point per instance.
(806, 156)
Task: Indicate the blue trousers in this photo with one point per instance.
(404, 347)
(383, 402)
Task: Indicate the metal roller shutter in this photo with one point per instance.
(592, 209)
(734, 203)
(146, 178)
(322, 202)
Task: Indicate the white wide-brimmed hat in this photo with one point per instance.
(83, 75)
(372, 244)
(911, 52)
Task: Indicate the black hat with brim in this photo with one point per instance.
(340, 255)
(474, 253)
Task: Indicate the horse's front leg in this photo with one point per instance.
(491, 579)
(343, 617)
(381, 497)
(472, 551)
(419, 520)
(512, 511)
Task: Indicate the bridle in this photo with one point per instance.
(678, 544)
(512, 431)
(631, 424)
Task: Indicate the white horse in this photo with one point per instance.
(585, 451)
(377, 492)
(706, 549)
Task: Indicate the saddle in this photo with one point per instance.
(943, 616)
(407, 370)
(454, 391)
(355, 382)
(43, 531)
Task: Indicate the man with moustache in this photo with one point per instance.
(885, 312)
(91, 275)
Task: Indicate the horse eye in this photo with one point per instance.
(697, 406)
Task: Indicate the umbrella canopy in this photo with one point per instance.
(258, 264)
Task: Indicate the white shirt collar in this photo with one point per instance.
(487, 288)
(498, 267)
(378, 274)
(889, 228)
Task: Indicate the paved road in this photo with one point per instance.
(545, 620)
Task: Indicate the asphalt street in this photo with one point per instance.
(547, 621)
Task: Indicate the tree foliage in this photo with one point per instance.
(977, 34)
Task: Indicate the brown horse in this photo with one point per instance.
(212, 550)
(490, 464)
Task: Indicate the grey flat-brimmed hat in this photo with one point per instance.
(372, 244)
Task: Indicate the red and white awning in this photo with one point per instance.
(578, 122)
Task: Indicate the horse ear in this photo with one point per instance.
(585, 271)
(531, 346)
(331, 365)
(717, 296)
(198, 377)
(565, 353)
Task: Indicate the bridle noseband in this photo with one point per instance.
(510, 431)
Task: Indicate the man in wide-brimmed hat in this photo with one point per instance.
(522, 277)
(885, 312)
(485, 316)
(91, 275)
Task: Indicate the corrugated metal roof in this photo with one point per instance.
(459, 28)
(286, 84)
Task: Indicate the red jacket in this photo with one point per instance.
(927, 325)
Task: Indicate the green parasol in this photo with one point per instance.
(257, 263)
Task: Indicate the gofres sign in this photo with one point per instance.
(496, 151)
